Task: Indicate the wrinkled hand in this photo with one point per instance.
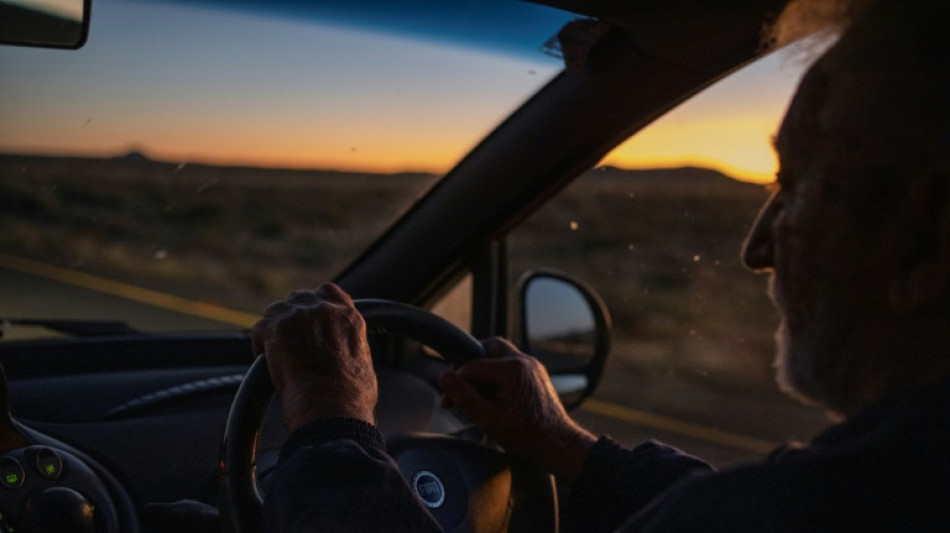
(318, 356)
(521, 409)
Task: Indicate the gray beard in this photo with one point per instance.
(820, 363)
(809, 360)
(795, 369)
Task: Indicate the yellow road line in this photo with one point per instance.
(686, 429)
(238, 318)
(129, 292)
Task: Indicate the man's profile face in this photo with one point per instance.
(804, 232)
(829, 278)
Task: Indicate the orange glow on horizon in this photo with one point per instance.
(436, 166)
(736, 144)
(751, 175)
(437, 163)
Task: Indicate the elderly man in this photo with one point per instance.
(857, 238)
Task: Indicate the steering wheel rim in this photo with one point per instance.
(244, 499)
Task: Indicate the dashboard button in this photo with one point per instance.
(48, 463)
(11, 473)
(5, 525)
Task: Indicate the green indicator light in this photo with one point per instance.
(51, 469)
(12, 479)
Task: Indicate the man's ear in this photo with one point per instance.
(922, 283)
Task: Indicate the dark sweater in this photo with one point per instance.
(885, 469)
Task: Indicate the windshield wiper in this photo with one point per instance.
(78, 328)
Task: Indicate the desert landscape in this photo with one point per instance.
(661, 246)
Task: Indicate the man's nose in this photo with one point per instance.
(758, 253)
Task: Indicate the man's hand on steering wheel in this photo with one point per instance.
(320, 365)
(520, 408)
(318, 356)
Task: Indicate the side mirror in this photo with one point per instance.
(566, 326)
(45, 23)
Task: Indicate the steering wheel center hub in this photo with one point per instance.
(429, 488)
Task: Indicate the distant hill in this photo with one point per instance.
(693, 174)
(679, 180)
(235, 171)
(134, 156)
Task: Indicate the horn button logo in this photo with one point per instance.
(429, 488)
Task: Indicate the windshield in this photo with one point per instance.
(208, 160)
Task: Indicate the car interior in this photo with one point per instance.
(132, 400)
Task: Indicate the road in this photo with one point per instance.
(720, 426)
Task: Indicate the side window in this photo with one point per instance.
(692, 350)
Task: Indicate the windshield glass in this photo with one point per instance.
(209, 159)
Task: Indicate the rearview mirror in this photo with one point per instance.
(566, 326)
(44, 23)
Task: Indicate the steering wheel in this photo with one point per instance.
(464, 484)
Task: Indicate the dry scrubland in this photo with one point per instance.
(660, 246)
(240, 237)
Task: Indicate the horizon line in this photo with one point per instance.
(135, 151)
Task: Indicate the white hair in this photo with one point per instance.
(801, 18)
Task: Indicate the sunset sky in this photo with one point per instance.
(190, 85)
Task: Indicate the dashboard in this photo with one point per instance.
(135, 431)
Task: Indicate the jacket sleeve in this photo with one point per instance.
(335, 475)
(615, 483)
